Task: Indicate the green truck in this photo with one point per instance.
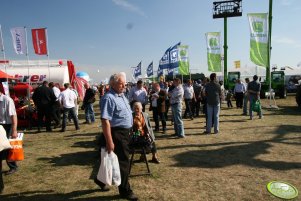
(277, 83)
(232, 77)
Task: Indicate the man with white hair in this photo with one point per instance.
(117, 121)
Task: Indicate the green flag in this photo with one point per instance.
(259, 38)
(183, 60)
(213, 51)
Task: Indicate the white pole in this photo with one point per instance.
(3, 51)
(28, 91)
(47, 54)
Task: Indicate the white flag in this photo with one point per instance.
(19, 40)
(1, 40)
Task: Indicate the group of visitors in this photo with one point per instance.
(161, 97)
(51, 104)
(245, 92)
(123, 112)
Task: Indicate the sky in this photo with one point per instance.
(103, 37)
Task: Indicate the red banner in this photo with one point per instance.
(39, 41)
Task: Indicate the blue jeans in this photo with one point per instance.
(253, 98)
(66, 113)
(188, 103)
(212, 114)
(177, 118)
(89, 112)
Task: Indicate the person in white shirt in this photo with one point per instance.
(189, 97)
(239, 91)
(8, 119)
(68, 100)
(56, 107)
(138, 94)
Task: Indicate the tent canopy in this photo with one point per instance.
(3, 75)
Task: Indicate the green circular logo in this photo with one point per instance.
(282, 190)
(183, 53)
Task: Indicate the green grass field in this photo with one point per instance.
(236, 164)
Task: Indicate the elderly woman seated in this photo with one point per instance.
(141, 124)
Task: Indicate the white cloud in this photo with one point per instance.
(99, 72)
(287, 2)
(286, 41)
(128, 6)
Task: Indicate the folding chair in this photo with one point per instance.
(139, 150)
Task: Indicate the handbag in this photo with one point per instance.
(137, 140)
(16, 153)
(4, 142)
(256, 106)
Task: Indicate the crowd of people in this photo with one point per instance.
(123, 111)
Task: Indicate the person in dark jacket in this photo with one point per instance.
(44, 98)
(88, 101)
(157, 105)
(213, 94)
(56, 107)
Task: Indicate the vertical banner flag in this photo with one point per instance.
(39, 41)
(171, 71)
(183, 60)
(174, 56)
(213, 51)
(19, 40)
(1, 40)
(149, 70)
(137, 70)
(259, 38)
(164, 61)
(159, 72)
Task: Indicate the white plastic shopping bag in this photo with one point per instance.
(109, 171)
(4, 142)
(105, 170)
(116, 177)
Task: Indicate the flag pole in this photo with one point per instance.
(47, 54)
(3, 52)
(27, 56)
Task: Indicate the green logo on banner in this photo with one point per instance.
(257, 26)
(183, 53)
(213, 42)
